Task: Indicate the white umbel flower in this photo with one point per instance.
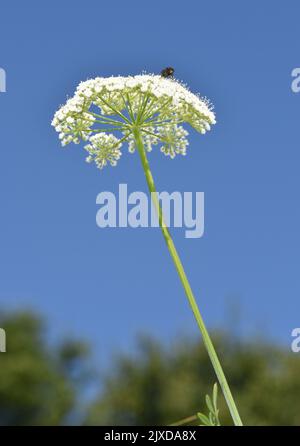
(154, 105)
(175, 142)
(102, 149)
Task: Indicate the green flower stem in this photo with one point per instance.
(180, 270)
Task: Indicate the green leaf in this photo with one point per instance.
(215, 396)
(212, 419)
(209, 404)
(205, 420)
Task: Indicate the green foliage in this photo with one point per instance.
(213, 412)
(44, 384)
(37, 383)
(160, 385)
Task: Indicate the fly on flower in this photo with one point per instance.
(105, 113)
(167, 72)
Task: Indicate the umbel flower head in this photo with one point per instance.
(107, 112)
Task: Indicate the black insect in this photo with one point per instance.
(167, 72)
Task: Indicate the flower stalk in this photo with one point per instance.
(185, 283)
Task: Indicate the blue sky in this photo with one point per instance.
(108, 285)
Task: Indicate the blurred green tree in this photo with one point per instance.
(39, 384)
(46, 384)
(160, 386)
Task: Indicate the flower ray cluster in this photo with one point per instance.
(103, 148)
(154, 105)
